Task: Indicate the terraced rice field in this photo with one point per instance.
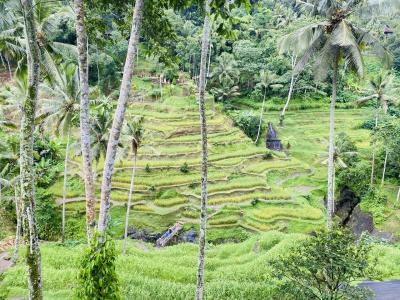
(246, 191)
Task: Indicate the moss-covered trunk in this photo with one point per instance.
(26, 156)
(331, 151)
(204, 152)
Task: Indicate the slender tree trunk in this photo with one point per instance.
(384, 167)
(209, 61)
(65, 186)
(18, 229)
(261, 116)
(331, 165)
(128, 207)
(373, 153)
(119, 117)
(26, 156)
(204, 162)
(398, 195)
(82, 42)
(10, 75)
(161, 91)
(292, 81)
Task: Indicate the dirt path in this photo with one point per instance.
(389, 290)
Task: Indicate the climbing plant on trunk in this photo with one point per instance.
(204, 152)
(27, 171)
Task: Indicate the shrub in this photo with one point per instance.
(48, 218)
(147, 168)
(248, 122)
(97, 277)
(267, 156)
(184, 168)
(303, 270)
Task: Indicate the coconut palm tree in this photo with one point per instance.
(266, 80)
(204, 151)
(84, 115)
(135, 131)
(327, 43)
(60, 108)
(118, 118)
(226, 69)
(27, 179)
(382, 92)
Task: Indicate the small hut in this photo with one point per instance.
(273, 142)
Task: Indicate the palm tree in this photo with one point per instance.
(225, 90)
(26, 161)
(135, 132)
(266, 80)
(82, 46)
(328, 42)
(204, 152)
(118, 119)
(100, 125)
(381, 85)
(61, 108)
(226, 69)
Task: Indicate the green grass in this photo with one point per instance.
(233, 271)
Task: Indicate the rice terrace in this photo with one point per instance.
(199, 149)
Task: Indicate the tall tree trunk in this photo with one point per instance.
(204, 162)
(128, 207)
(10, 75)
(82, 42)
(18, 229)
(331, 164)
(119, 117)
(26, 156)
(373, 153)
(161, 91)
(261, 116)
(384, 167)
(292, 81)
(65, 186)
(398, 195)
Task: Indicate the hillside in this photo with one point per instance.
(249, 191)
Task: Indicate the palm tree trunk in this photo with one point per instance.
(261, 116)
(331, 165)
(292, 81)
(384, 167)
(65, 186)
(18, 229)
(82, 42)
(161, 92)
(204, 162)
(398, 195)
(128, 207)
(119, 117)
(373, 152)
(26, 154)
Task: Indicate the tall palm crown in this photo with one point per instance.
(335, 38)
(135, 131)
(62, 96)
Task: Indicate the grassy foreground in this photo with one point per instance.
(233, 271)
